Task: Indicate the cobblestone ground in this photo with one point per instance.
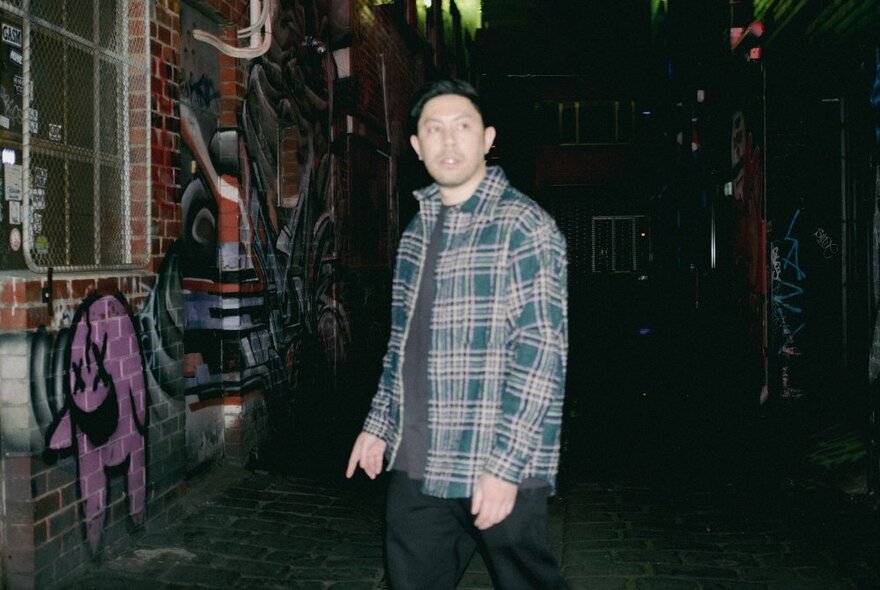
(263, 530)
(670, 480)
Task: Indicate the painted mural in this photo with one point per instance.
(105, 411)
(750, 241)
(245, 301)
(88, 398)
(257, 261)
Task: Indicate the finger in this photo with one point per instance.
(371, 467)
(477, 502)
(352, 463)
(485, 519)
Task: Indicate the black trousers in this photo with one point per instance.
(430, 541)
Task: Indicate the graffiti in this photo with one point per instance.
(201, 92)
(199, 69)
(260, 279)
(786, 311)
(104, 416)
(828, 245)
(162, 326)
(749, 237)
(10, 108)
(748, 193)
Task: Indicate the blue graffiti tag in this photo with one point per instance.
(786, 292)
(792, 258)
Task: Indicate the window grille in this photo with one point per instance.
(587, 122)
(85, 157)
(620, 243)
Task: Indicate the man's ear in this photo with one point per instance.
(488, 138)
(414, 142)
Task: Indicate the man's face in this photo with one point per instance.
(452, 142)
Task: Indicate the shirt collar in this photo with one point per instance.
(490, 190)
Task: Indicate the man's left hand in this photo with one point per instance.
(493, 501)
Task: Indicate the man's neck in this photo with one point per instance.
(460, 194)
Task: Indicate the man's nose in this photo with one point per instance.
(449, 136)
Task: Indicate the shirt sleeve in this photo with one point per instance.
(536, 348)
(378, 420)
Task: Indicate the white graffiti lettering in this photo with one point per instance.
(10, 108)
(829, 247)
(776, 264)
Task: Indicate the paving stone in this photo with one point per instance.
(645, 556)
(694, 571)
(295, 558)
(725, 559)
(251, 568)
(201, 575)
(598, 568)
(599, 583)
(271, 532)
(657, 583)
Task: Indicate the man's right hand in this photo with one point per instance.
(368, 452)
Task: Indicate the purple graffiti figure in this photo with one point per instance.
(104, 417)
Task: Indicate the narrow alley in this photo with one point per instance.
(678, 493)
(203, 208)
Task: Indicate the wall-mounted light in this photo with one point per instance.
(8, 156)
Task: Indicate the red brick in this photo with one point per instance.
(61, 289)
(34, 292)
(108, 285)
(81, 288)
(13, 318)
(38, 316)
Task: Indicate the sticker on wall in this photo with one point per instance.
(40, 177)
(38, 198)
(11, 35)
(16, 57)
(35, 122)
(42, 245)
(5, 122)
(18, 83)
(15, 239)
(14, 213)
(36, 222)
(12, 177)
(54, 132)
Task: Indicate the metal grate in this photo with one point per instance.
(85, 150)
(619, 243)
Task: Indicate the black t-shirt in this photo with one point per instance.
(414, 447)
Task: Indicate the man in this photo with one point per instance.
(469, 405)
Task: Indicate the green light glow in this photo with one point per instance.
(470, 13)
(470, 10)
(656, 5)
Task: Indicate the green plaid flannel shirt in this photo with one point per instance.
(499, 340)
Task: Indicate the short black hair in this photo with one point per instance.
(439, 87)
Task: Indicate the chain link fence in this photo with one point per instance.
(84, 174)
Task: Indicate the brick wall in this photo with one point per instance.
(45, 536)
(377, 40)
(46, 532)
